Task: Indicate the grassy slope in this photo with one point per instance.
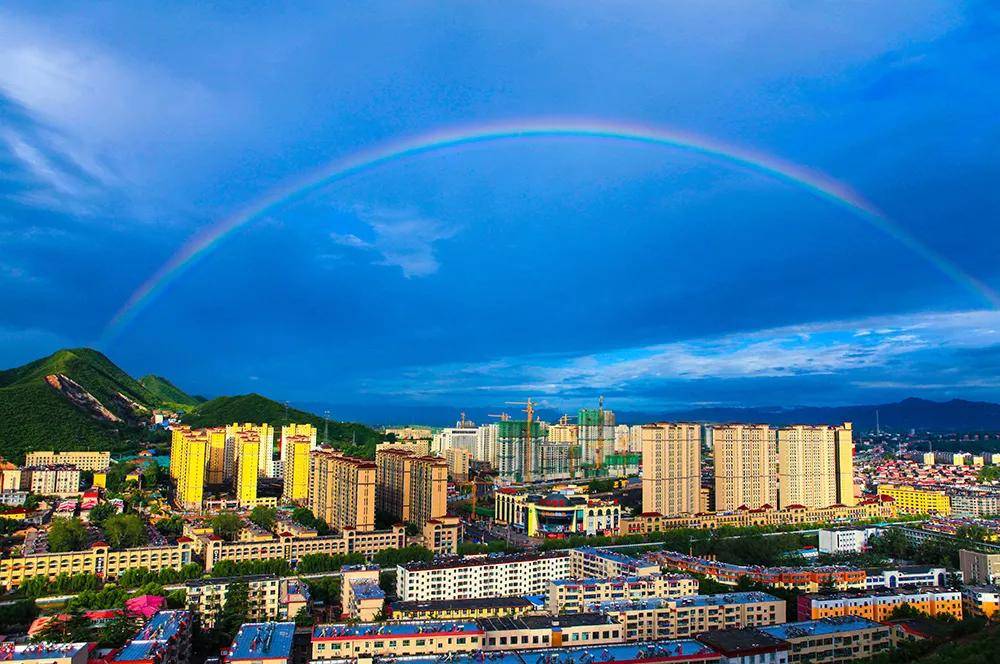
(33, 416)
(167, 393)
(256, 408)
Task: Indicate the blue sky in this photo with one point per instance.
(562, 268)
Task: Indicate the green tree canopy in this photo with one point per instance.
(124, 531)
(265, 517)
(67, 535)
(226, 525)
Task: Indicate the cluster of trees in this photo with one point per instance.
(324, 562)
(67, 535)
(63, 584)
(495, 546)
(226, 525)
(265, 517)
(892, 543)
(139, 576)
(408, 554)
(278, 566)
(19, 613)
(305, 517)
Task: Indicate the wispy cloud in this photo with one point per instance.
(894, 345)
(403, 238)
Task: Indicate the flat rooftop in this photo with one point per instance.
(33, 651)
(819, 627)
(545, 622)
(490, 559)
(367, 590)
(195, 583)
(721, 599)
(375, 630)
(613, 556)
(267, 640)
(617, 580)
(660, 651)
(140, 650)
(464, 604)
(747, 640)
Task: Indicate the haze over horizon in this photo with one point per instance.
(559, 265)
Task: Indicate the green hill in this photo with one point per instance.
(354, 439)
(34, 415)
(167, 393)
(78, 399)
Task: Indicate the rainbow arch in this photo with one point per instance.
(457, 137)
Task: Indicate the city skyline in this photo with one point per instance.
(431, 210)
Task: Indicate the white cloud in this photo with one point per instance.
(831, 348)
(403, 238)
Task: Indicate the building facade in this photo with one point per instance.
(746, 465)
(342, 490)
(815, 466)
(671, 468)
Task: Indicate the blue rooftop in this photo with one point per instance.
(609, 555)
(153, 638)
(412, 628)
(648, 652)
(819, 627)
(44, 651)
(269, 640)
(135, 650)
(689, 600)
(367, 590)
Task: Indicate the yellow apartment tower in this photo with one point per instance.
(188, 452)
(247, 447)
(671, 473)
(295, 467)
(815, 466)
(746, 466)
(342, 490)
(215, 465)
(294, 431)
(265, 448)
(412, 488)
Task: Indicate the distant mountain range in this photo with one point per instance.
(920, 414)
(78, 399)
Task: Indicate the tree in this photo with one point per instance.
(265, 517)
(234, 611)
(408, 554)
(67, 535)
(102, 513)
(125, 531)
(226, 525)
(303, 618)
(171, 527)
(74, 629)
(117, 631)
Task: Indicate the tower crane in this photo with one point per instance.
(529, 410)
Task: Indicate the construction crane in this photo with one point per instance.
(529, 410)
(504, 417)
(474, 485)
(599, 455)
(574, 448)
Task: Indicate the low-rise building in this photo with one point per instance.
(879, 606)
(914, 500)
(443, 534)
(566, 596)
(657, 618)
(536, 632)
(808, 579)
(99, 560)
(835, 541)
(262, 643)
(463, 609)
(361, 597)
(590, 562)
(481, 576)
(81, 460)
(906, 576)
(979, 567)
(974, 504)
(746, 646)
(405, 639)
(268, 597)
(876, 507)
(981, 600)
(60, 480)
(832, 639)
(165, 639)
(565, 512)
(46, 653)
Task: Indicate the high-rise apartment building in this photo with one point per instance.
(461, 436)
(486, 444)
(510, 448)
(265, 448)
(295, 451)
(815, 466)
(247, 445)
(596, 434)
(342, 490)
(411, 488)
(458, 459)
(216, 456)
(294, 431)
(671, 468)
(188, 450)
(746, 465)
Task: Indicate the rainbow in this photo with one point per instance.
(359, 162)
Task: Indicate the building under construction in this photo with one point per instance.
(596, 435)
(547, 460)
